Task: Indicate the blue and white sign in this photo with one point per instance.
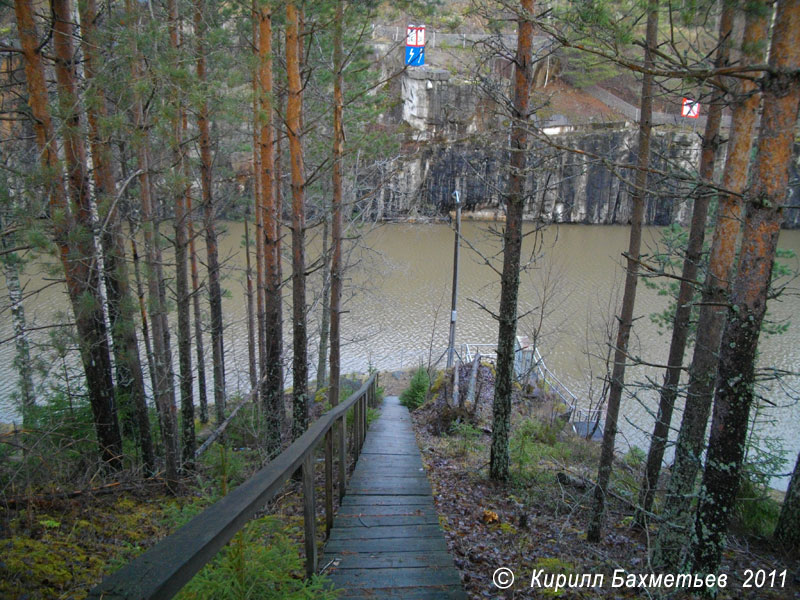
(415, 57)
(415, 45)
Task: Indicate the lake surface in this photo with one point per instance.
(398, 312)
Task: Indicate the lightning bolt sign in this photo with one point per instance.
(415, 56)
(415, 45)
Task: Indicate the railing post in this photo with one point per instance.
(328, 481)
(364, 420)
(342, 457)
(360, 421)
(309, 514)
(354, 433)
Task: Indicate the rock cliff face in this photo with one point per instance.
(578, 175)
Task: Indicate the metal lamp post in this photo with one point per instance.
(451, 349)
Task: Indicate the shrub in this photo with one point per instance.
(262, 562)
(468, 436)
(533, 441)
(414, 396)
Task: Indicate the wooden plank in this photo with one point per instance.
(396, 482)
(399, 479)
(382, 560)
(449, 592)
(386, 545)
(386, 520)
(385, 531)
(389, 462)
(403, 500)
(371, 510)
(389, 490)
(398, 577)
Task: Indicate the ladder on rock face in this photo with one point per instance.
(530, 368)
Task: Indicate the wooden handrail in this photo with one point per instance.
(164, 569)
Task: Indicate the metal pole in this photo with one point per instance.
(452, 347)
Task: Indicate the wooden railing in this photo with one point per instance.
(164, 569)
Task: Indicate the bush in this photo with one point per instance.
(261, 562)
(534, 441)
(468, 435)
(417, 391)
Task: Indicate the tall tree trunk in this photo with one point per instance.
(271, 367)
(324, 326)
(72, 225)
(671, 542)
(22, 360)
(277, 285)
(209, 209)
(691, 264)
(294, 110)
(163, 390)
(764, 203)
(512, 245)
(338, 439)
(251, 315)
(336, 211)
(140, 294)
(198, 316)
(631, 279)
(121, 310)
(179, 193)
(259, 210)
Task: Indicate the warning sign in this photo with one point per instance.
(690, 108)
(415, 45)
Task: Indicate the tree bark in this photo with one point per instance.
(121, 310)
(671, 542)
(691, 264)
(259, 210)
(512, 245)
(209, 213)
(336, 233)
(294, 131)
(179, 193)
(251, 315)
(271, 366)
(595, 530)
(72, 225)
(764, 204)
(140, 294)
(198, 315)
(336, 209)
(325, 320)
(22, 360)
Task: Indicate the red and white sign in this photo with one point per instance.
(415, 35)
(690, 108)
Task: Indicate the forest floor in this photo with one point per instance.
(538, 520)
(52, 546)
(60, 539)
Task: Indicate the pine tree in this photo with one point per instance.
(764, 203)
(512, 244)
(294, 109)
(72, 227)
(745, 98)
(625, 323)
